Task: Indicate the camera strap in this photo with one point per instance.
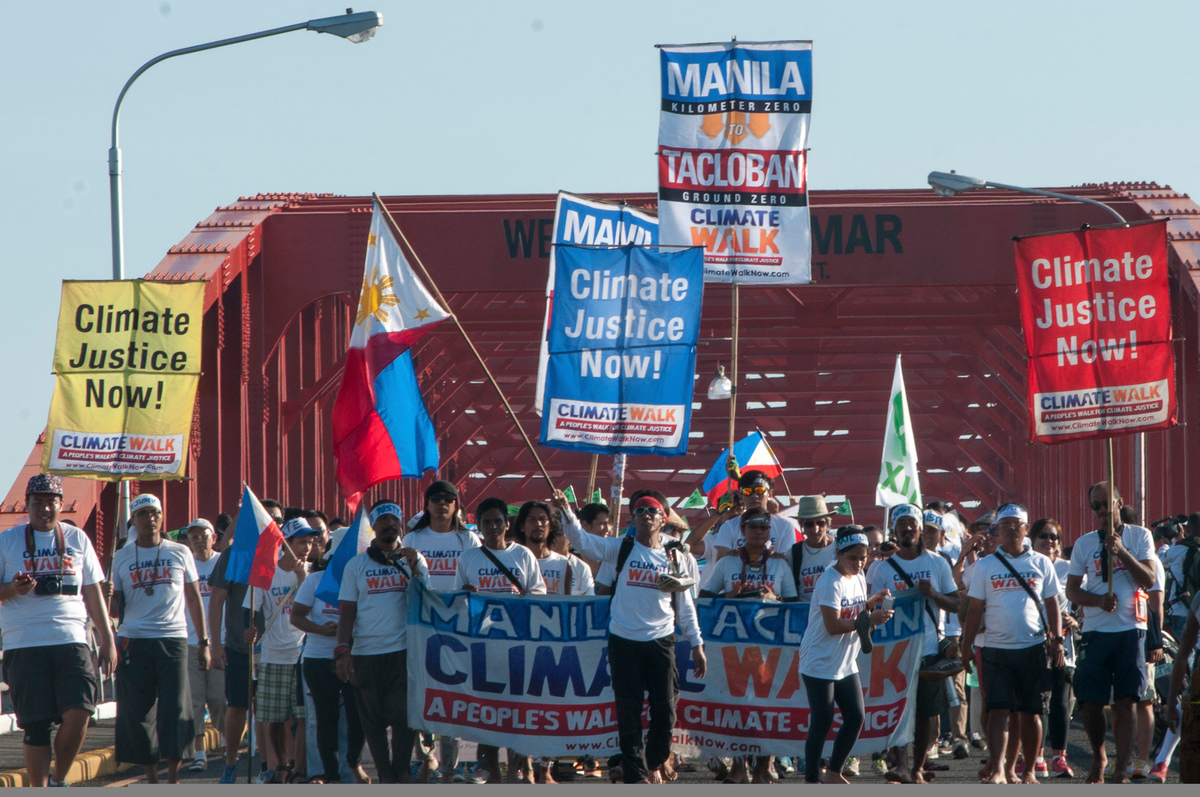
(928, 603)
(60, 545)
(507, 573)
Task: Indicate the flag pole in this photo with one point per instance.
(250, 708)
(618, 490)
(734, 367)
(454, 317)
(592, 478)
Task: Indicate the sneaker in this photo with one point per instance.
(57, 784)
(1059, 767)
(1019, 767)
(1110, 768)
(959, 750)
(479, 775)
(1158, 774)
(942, 668)
(880, 766)
(1040, 769)
(784, 766)
(230, 774)
(266, 776)
(199, 763)
(1138, 769)
(932, 753)
(850, 770)
(977, 741)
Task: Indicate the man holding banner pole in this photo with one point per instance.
(1109, 575)
(641, 632)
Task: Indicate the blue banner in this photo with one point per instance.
(622, 350)
(531, 673)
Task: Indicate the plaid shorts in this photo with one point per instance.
(275, 696)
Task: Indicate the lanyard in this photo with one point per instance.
(60, 544)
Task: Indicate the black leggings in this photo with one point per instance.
(328, 691)
(823, 694)
(1055, 721)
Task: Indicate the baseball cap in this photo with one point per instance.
(441, 486)
(44, 483)
(297, 527)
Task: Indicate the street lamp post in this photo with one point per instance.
(357, 28)
(951, 184)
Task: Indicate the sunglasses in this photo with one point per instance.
(643, 511)
(757, 489)
(759, 525)
(1097, 506)
(1051, 537)
(818, 522)
(442, 498)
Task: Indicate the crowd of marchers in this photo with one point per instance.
(1021, 634)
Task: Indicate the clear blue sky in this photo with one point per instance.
(489, 97)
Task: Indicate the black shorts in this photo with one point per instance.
(1111, 666)
(237, 678)
(47, 680)
(1017, 680)
(931, 695)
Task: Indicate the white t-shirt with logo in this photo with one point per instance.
(441, 551)
(30, 621)
(282, 641)
(813, 563)
(203, 571)
(477, 570)
(822, 655)
(1131, 599)
(1012, 620)
(928, 566)
(784, 534)
(639, 611)
(165, 568)
(554, 567)
(731, 572)
(381, 594)
(317, 646)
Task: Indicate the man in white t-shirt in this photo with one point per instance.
(49, 587)
(154, 588)
(374, 619)
(935, 537)
(1173, 560)
(755, 490)
(207, 686)
(641, 632)
(809, 559)
(1111, 661)
(914, 567)
(1014, 592)
(563, 574)
(276, 700)
(439, 533)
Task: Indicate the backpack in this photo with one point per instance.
(672, 547)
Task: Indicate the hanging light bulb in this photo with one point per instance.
(720, 387)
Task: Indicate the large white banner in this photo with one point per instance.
(732, 141)
(531, 674)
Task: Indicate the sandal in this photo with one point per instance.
(297, 777)
(862, 624)
(283, 771)
(320, 779)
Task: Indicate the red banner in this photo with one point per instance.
(1096, 310)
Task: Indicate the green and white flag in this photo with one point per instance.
(569, 494)
(694, 500)
(898, 481)
(597, 498)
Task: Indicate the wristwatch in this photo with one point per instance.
(203, 643)
(1058, 639)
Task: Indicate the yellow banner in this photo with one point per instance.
(128, 364)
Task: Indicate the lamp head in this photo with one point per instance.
(952, 184)
(720, 388)
(357, 28)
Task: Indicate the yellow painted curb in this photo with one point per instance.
(97, 764)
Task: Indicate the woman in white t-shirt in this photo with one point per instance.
(840, 620)
(1046, 535)
(506, 568)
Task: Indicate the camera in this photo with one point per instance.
(48, 585)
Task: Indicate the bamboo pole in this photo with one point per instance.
(1108, 450)
(734, 367)
(250, 708)
(592, 477)
(446, 306)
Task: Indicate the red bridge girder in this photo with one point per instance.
(936, 286)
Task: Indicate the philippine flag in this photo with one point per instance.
(351, 542)
(752, 453)
(381, 429)
(254, 551)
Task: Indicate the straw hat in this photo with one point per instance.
(811, 507)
